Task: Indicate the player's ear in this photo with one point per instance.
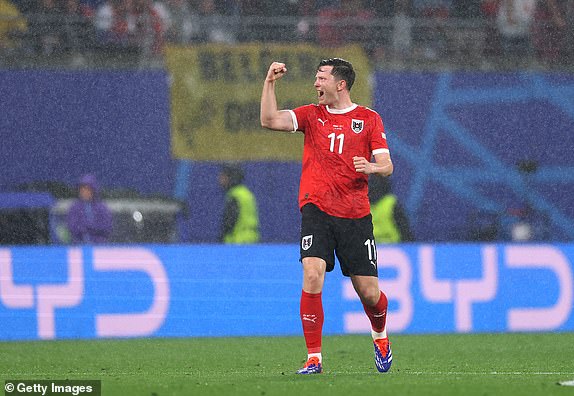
(341, 85)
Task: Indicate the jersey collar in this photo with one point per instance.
(342, 111)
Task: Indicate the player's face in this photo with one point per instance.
(326, 85)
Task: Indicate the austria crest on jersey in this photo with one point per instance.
(357, 125)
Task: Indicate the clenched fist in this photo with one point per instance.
(276, 71)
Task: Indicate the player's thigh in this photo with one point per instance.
(356, 249)
(317, 239)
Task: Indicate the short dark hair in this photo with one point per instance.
(342, 70)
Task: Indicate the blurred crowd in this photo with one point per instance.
(390, 29)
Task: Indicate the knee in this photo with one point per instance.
(313, 274)
(312, 277)
(369, 295)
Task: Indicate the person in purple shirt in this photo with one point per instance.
(89, 220)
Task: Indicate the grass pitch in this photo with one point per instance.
(473, 364)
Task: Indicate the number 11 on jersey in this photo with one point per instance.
(340, 138)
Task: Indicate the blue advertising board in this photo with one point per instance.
(197, 290)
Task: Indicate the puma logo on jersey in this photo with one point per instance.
(321, 121)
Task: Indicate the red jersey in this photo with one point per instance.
(332, 139)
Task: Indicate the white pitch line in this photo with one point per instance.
(106, 374)
(486, 373)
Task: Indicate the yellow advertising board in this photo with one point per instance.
(216, 91)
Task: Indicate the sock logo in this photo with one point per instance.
(310, 318)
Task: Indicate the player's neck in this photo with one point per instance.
(342, 101)
(341, 104)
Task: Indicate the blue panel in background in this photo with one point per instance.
(58, 125)
(456, 139)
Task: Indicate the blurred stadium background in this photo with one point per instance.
(153, 97)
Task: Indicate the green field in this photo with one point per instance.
(477, 364)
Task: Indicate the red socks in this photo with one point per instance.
(311, 310)
(378, 314)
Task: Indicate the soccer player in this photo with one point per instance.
(341, 138)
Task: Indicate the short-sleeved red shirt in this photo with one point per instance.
(332, 139)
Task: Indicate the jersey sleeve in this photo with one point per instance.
(378, 136)
(301, 117)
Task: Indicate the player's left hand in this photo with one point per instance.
(362, 165)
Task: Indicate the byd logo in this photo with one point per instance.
(46, 298)
(463, 293)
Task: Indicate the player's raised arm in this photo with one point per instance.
(271, 118)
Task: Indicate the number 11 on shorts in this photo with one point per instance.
(371, 249)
